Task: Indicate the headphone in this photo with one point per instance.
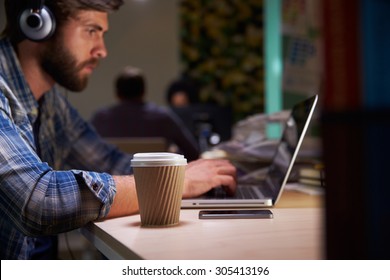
(37, 22)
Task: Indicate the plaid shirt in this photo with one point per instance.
(44, 188)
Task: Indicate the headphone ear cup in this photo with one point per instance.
(37, 26)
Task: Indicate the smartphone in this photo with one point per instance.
(236, 214)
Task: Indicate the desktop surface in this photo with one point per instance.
(293, 233)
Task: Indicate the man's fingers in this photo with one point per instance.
(229, 184)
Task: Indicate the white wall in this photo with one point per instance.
(143, 33)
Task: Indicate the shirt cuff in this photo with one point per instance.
(103, 187)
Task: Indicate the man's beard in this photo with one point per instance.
(62, 66)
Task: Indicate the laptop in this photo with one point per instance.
(267, 191)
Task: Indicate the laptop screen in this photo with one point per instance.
(290, 142)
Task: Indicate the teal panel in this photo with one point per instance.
(273, 63)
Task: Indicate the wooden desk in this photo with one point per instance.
(293, 233)
(294, 199)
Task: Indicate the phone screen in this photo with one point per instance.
(236, 214)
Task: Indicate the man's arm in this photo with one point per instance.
(125, 200)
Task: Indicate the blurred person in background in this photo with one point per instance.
(133, 116)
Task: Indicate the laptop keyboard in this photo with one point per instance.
(248, 192)
(242, 192)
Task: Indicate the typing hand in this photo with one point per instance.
(205, 174)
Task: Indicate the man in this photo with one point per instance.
(132, 116)
(56, 174)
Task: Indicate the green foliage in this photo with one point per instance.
(222, 49)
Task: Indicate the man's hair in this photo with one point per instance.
(62, 10)
(130, 84)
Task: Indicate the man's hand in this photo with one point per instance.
(204, 174)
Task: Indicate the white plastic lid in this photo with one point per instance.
(157, 159)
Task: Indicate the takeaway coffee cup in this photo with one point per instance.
(159, 181)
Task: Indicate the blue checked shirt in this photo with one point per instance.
(54, 182)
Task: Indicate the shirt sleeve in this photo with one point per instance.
(37, 199)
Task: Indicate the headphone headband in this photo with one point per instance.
(37, 5)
